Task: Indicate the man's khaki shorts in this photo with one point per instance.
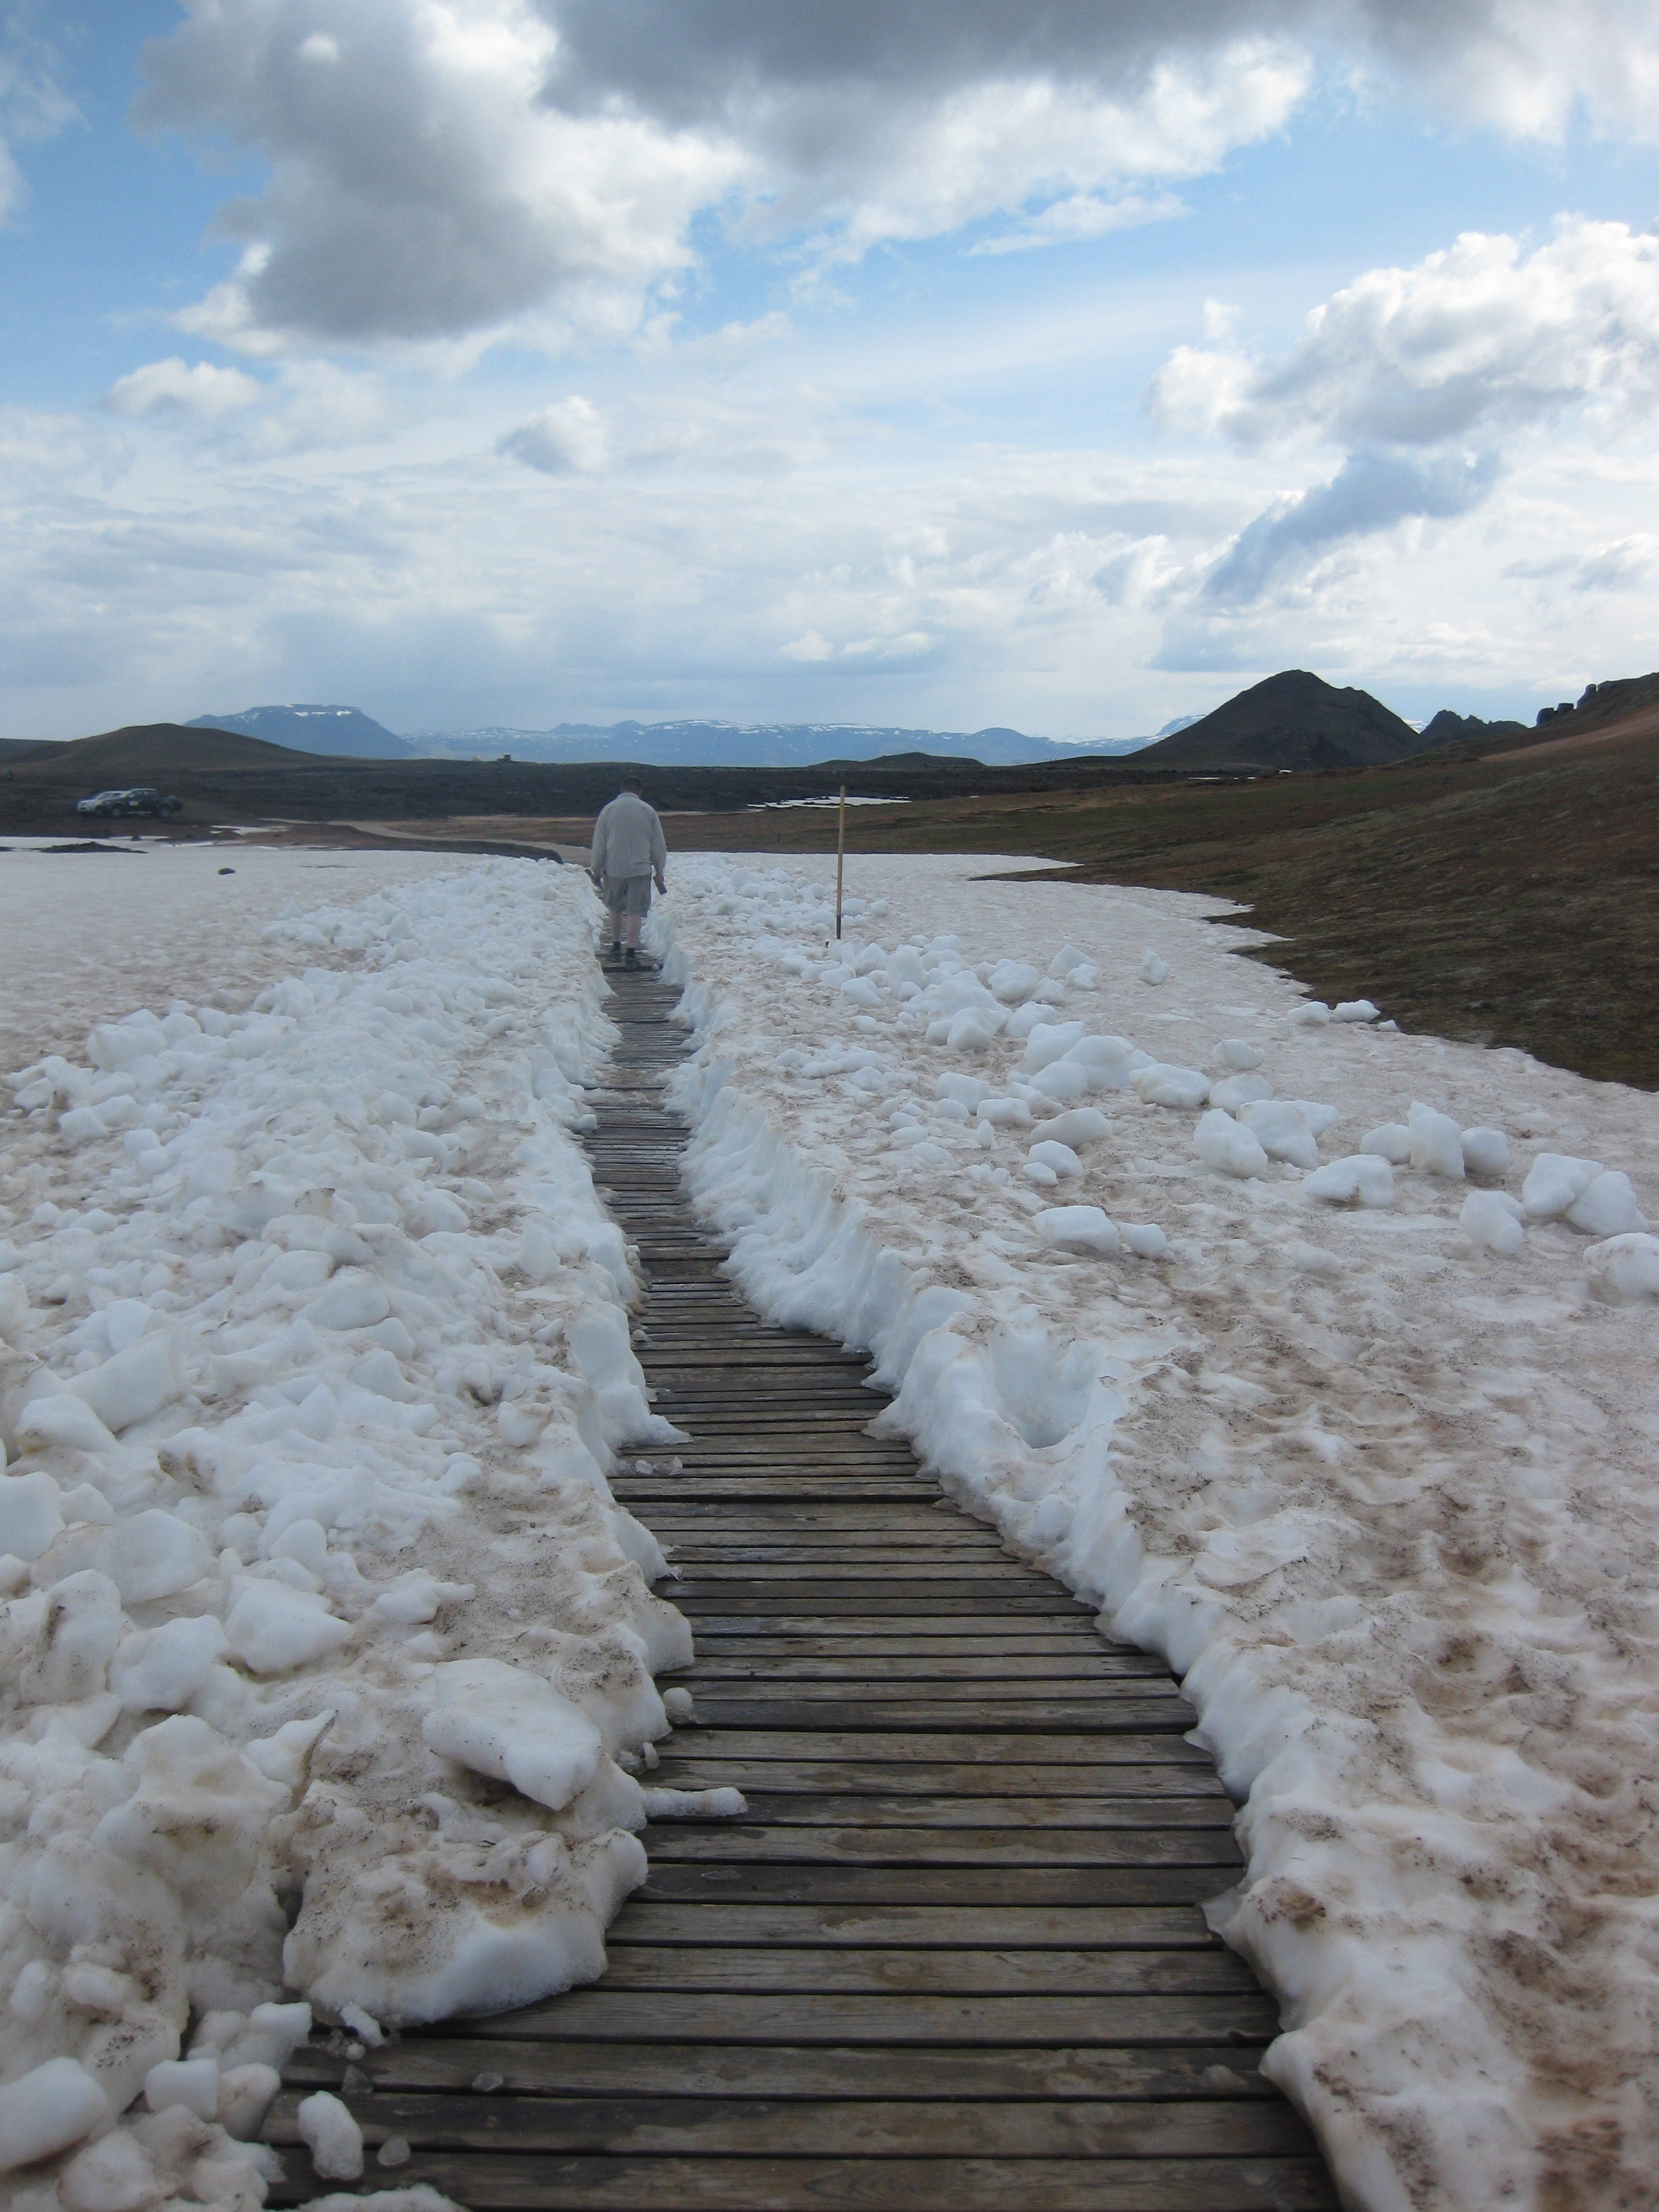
(628, 893)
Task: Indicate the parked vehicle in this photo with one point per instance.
(136, 798)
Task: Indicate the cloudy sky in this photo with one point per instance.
(948, 362)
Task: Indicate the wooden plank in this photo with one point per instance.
(951, 1747)
(978, 1693)
(1098, 1714)
(819, 1663)
(880, 1561)
(734, 1843)
(731, 1969)
(817, 2016)
(753, 2127)
(517, 2182)
(814, 1927)
(794, 1601)
(440, 2059)
(976, 1886)
(1074, 1628)
(893, 1778)
(784, 1808)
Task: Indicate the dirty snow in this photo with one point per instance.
(326, 1656)
(1369, 1451)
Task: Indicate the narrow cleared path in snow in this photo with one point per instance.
(953, 1957)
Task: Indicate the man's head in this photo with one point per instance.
(634, 783)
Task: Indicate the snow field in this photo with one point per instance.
(1372, 1468)
(326, 1657)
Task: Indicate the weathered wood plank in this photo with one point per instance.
(1167, 1928)
(952, 1746)
(733, 1969)
(441, 2059)
(797, 1664)
(517, 2182)
(980, 1886)
(1099, 1713)
(816, 2016)
(752, 2127)
(896, 1778)
(978, 1693)
(731, 1842)
(843, 1808)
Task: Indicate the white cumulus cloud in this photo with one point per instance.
(172, 386)
(1481, 337)
(568, 438)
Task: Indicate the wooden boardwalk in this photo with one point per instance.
(952, 1961)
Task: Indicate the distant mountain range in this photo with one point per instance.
(752, 745)
(348, 731)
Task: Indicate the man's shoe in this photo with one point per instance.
(630, 959)
(614, 955)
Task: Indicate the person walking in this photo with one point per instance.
(628, 852)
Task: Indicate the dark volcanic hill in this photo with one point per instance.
(1294, 720)
(158, 753)
(346, 731)
(1452, 729)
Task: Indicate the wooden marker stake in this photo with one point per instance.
(841, 855)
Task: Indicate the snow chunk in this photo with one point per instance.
(152, 1555)
(1240, 1053)
(1060, 1158)
(1108, 1061)
(1554, 1181)
(47, 2110)
(133, 1385)
(1227, 1149)
(273, 1629)
(1079, 1229)
(1162, 1084)
(1354, 1010)
(192, 2082)
(1436, 1142)
(1390, 1141)
(1486, 1153)
(1626, 1268)
(331, 2135)
(514, 1726)
(1281, 1129)
(1361, 1177)
(1233, 1091)
(1493, 1218)
(1050, 1040)
(417, 1596)
(30, 1512)
(1011, 980)
(196, 1812)
(1311, 1014)
(969, 1031)
(1080, 1125)
(724, 1804)
(1607, 1208)
(1154, 970)
(161, 1669)
(351, 1299)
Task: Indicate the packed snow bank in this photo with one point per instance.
(324, 1650)
(1372, 1462)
